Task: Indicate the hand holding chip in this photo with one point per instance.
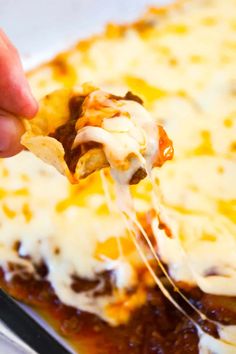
(17, 101)
(85, 129)
(15, 98)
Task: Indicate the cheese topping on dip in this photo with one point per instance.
(181, 61)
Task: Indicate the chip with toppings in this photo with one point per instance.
(85, 130)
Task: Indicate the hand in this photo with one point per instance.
(15, 98)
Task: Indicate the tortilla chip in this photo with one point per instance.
(53, 113)
(63, 115)
(93, 160)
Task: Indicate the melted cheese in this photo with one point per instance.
(129, 140)
(73, 240)
(183, 65)
(203, 234)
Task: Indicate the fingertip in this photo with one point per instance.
(11, 130)
(29, 107)
(25, 104)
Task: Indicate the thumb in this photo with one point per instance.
(11, 129)
(15, 95)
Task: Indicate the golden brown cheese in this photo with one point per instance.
(182, 62)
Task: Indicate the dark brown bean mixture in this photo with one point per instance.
(155, 328)
(129, 96)
(138, 175)
(67, 133)
(103, 284)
